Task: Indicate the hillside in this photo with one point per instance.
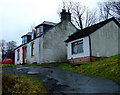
(108, 68)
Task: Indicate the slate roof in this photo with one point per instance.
(28, 34)
(87, 31)
(46, 23)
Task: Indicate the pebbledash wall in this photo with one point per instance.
(104, 43)
(80, 57)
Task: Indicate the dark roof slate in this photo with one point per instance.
(46, 23)
(87, 31)
(28, 34)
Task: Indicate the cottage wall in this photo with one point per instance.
(50, 47)
(35, 57)
(54, 47)
(29, 58)
(104, 41)
(80, 57)
(20, 56)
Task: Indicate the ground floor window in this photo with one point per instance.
(32, 48)
(77, 47)
(25, 51)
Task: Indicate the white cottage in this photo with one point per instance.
(46, 44)
(97, 41)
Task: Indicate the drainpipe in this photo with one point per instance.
(39, 50)
(90, 48)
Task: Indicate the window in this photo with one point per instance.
(77, 47)
(24, 40)
(33, 35)
(25, 51)
(18, 54)
(32, 48)
(37, 31)
(41, 29)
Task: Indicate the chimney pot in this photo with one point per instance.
(65, 15)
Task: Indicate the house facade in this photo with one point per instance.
(46, 44)
(97, 41)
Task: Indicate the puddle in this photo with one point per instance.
(32, 72)
(22, 68)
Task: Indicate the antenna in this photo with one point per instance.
(63, 5)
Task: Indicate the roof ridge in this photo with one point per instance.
(88, 30)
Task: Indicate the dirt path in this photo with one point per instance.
(62, 81)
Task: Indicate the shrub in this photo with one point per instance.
(14, 84)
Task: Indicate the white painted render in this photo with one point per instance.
(35, 57)
(29, 58)
(105, 42)
(86, 49)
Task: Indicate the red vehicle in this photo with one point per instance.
(7, 61)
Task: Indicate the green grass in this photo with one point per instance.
(15, 84)
(108, 68)
(8, 65)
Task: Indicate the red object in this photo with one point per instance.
(7, 61)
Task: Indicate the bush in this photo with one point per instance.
(14, 84)
(8, 65)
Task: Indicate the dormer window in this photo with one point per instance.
(41, 29)
(37, 31)
(32, 35)
(24, 40)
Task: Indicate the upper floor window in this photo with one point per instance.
(37, 31)
(33, 35)
(41, 29)
(24, 40)
(77, 47)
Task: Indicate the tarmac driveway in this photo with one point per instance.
(62, 81)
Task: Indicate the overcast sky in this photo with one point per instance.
(17, 16)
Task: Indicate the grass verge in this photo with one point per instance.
(8, 65)
(108, 68)
(15, 84)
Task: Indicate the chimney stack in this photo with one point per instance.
(65, 15)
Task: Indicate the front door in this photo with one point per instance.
(24, 54)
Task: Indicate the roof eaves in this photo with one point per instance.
(40, 35)
(88, 30)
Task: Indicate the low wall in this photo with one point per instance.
(85, 59)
